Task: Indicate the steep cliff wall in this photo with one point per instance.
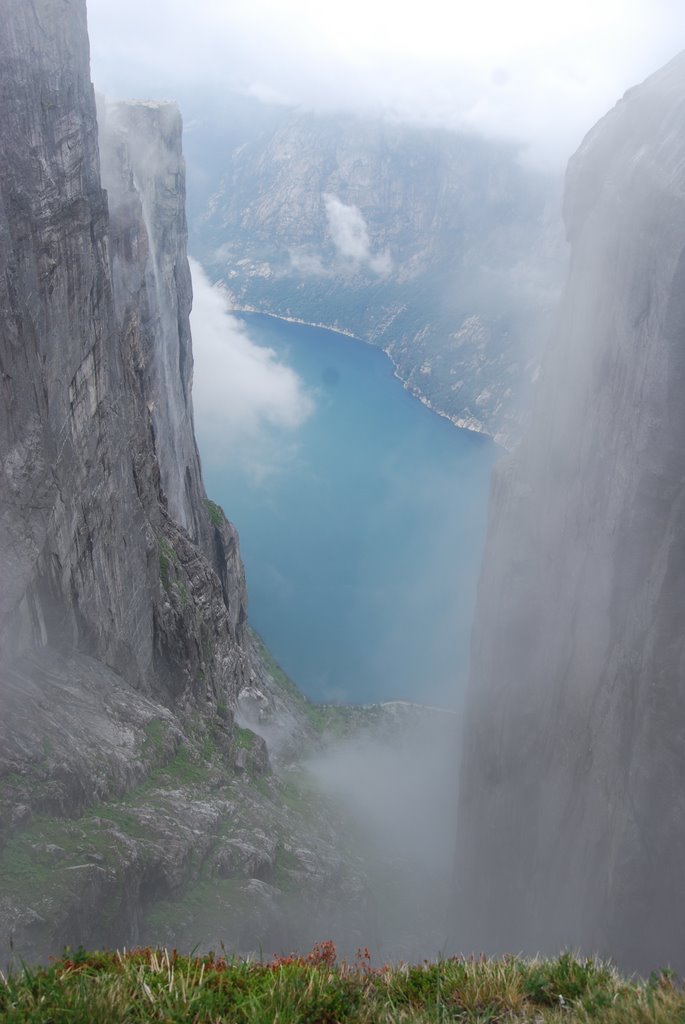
(122, 596)
(133, 807)
(143, 172)
(87, 344)
(572, 807)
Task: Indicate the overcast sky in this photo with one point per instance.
(533, 70)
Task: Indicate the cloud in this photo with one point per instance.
(307, 261)
(536, 72)
(350, 236)
(238, 387)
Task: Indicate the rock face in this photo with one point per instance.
(572, 806)
(144, 173)
(137, 803)
(441, 249)
(123, 598)
(89, 507)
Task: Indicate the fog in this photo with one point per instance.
(386, 779)
(238, 386)
(534, 72)
(350, 236)
(529, 75)
(126, 784)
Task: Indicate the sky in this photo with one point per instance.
(535, 71)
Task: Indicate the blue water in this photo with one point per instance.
(361, 530)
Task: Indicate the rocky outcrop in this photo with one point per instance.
(440, 248)
(144, 174)
(572, 816)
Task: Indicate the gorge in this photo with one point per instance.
(444, 249)
(348, 519)
(139, 800)
(162, 780)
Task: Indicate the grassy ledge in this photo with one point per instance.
(158, 985)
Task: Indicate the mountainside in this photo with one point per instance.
(123, 601)
(441, 249)
(155, 783)
(122, 610)
(572, 809)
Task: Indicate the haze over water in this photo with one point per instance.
(362, 530)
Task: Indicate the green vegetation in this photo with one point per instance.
(215, 512)
(156, 732)
(157, 985)
(167, 558)
(331, 719)
(41, 859)
(243, 737)
(275, 670)
(204, 906)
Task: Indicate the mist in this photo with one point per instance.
(350, 236)
(163, 780)
(396, 790)
(238, 387)
(535, 73)
(571, 790)
(385, 775)
(392, 793)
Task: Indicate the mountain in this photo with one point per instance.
(571, 816)
(161, 780)
(124, 778)
(443, 249)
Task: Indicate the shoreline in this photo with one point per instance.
(472, 426)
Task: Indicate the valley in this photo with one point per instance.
(347, 521)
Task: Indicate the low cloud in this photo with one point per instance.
(238, 387)
(350, 236)
(534, 72)
(306, 261)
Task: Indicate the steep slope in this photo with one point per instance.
(442, 249)
(572, 806)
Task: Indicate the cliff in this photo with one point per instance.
(152, 785)
(90, 497)
(442, 249)
(572, 815)
(123, 778)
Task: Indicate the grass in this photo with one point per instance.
(158, 985)
(156, 731)
(336, 720)
(215, 513)
(204, 905)
(279, 676)
(242, 737)
(40, 858)
(167, 558)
